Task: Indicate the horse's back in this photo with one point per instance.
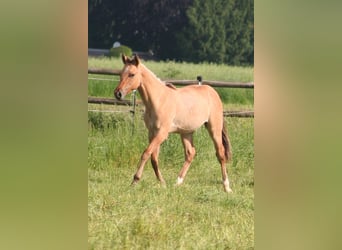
(202, 95)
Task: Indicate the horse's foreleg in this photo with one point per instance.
(189, 153)
(152, 147)
(154, 162)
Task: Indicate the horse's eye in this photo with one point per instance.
(130, 75)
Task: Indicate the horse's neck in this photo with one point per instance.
(151, 87)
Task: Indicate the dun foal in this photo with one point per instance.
(172, 110)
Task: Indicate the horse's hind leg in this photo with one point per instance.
(189, 153)
(217, 136)
(154, 162)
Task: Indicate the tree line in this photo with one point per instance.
(220, 31)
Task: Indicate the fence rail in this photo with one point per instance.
(235, 113)
(248, 85)
(179, 82)
(101, 100)
(98, 71)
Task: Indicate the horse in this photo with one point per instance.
(175, 110)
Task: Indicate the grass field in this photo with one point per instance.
(196, 215)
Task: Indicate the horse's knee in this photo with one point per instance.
(190, 154)
(145, 155)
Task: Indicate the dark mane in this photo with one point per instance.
(170, 85)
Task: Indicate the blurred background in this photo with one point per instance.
(218, 31)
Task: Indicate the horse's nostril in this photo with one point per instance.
(118, 95)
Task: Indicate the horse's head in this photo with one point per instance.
(129, 78)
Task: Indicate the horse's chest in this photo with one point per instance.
(152, 120)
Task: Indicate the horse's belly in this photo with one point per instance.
(187, 125)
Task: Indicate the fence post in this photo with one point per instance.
(133, 111)
(199, 79)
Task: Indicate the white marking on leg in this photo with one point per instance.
(226, 186)
(179, 180)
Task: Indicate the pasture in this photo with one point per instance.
(196, 215)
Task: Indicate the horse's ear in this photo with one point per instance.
(124, 58)
(135, 60)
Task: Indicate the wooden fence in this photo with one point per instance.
(99, 100)
(102, 100)
(249, 85)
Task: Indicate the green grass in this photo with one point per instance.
(185, 71)
(171, 69)
(197, 215)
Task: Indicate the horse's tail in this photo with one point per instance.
(226, 143)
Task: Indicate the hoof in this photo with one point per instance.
(179, 181)
(135, 180)
(227, 187)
